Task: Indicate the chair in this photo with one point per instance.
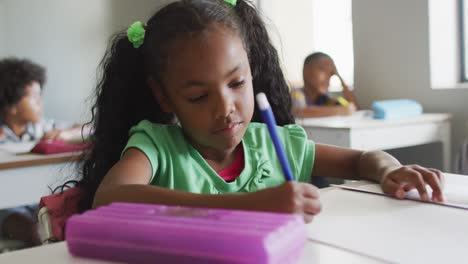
(54, 211)
(461, 160)
(7, 245)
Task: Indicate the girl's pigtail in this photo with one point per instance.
(123, 98)
(266, 71)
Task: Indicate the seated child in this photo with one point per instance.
(313, 100)
(21, 119)
(21, 110)
(176, 122)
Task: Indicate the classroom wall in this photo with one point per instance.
(288, 35)
(69, 38)
(2, 26)
(391, 50)
(125, 12)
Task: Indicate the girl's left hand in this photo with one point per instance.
(54, 134)
(2, 133)
(398, 181)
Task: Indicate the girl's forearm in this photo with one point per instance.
(159, 195)
(320, 111)
(373, 165)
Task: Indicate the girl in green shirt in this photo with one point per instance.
(185, 81)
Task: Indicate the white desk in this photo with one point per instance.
(399, 231)
(58, 254)
(365, 133)
(353, 227)
(24, 178)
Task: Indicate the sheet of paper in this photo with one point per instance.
(456, 195)
(400, 231)
(17, 148)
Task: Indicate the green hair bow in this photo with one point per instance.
(231, 2)
(136, 34)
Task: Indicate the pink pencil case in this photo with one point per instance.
(141, 233)
(57, 146)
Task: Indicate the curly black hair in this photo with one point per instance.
(123, 97)
(314, 57)
(15, 75)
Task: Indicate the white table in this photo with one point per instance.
(364, 133)
(353, 227)
(25, 178)
(57, 253)
(399, 231)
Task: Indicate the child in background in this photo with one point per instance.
(176, 124)
(313, 100)
(21, 119)
(21, 109)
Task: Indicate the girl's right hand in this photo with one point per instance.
(348, 110)
(289, 197)
(54, 134)
(2, 133)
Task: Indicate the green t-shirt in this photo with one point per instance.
(178, 165)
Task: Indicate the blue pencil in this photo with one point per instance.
(270, 121)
